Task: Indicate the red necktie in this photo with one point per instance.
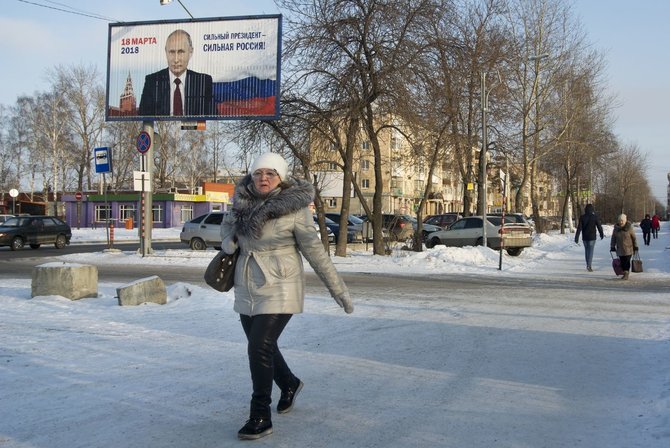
(177, 107)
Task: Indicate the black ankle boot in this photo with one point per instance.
(288, 398)
(255, 428)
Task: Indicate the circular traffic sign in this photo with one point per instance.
(13, 192)
(143, 142)
(77, 195)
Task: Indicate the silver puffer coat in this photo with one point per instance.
(272, 232)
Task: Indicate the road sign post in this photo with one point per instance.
(78, 196)
(144, 145)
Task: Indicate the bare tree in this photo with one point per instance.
(84, 96)
(49, 122)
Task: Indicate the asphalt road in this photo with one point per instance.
(19, 264)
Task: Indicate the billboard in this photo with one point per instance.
(188, 70)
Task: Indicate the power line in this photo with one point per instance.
(70, 10)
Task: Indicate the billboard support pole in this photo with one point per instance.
(147, 197)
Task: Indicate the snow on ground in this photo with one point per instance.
(476, 369)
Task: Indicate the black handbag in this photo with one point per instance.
(220, 273)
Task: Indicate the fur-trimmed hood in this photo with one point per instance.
(623, 228)
(251, 210)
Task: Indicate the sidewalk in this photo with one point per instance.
(99, 235)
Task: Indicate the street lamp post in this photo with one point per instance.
(166, 2)
(13, 193)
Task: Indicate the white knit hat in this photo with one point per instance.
(273, 161)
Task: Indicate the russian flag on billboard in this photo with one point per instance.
(245, 97)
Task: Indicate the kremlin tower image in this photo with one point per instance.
(127, 102)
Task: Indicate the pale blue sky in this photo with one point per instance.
(633, 35)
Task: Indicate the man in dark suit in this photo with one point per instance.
(176, 90)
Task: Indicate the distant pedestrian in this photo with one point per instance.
(588, 224)
(624, 243)
(645, 225)
(655, 225)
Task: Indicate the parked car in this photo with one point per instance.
(203, 231)
(518, 218)
(18, 231)
(354, 224)
(443, 220)
(427, 228)
(331, 235)
(4, 218)
(399, 227)
(469, 232)
(352, 235)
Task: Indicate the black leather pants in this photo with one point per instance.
(265, 360)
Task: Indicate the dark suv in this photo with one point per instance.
(34, 231)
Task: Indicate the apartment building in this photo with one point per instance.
(404, 177)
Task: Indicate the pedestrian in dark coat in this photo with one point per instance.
(624, 243)
(272, 226)
(588, 224)
(645, 225)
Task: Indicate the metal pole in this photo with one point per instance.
(104, 187)
(482, 159)
(147, 221)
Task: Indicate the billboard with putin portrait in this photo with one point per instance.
(223, 68)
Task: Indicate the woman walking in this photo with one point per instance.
(272, 225)
(623, 243)
(589, 223)
(655, 225)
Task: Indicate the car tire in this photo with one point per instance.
(17, 243)
(432, 242)
(61, 242)
(514, 251)
(480, 241)
(35, 246)
(198, 244)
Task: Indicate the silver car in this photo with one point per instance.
(469, 232)
(203, 231)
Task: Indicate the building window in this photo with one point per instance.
(332, 166)
(331, 203)
(365, 184)
(365, 165)
(365, 146)
(126, 211)
(186, 213)
(102, 213)
(157, 213)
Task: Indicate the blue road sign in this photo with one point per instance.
(143, 142)
(103, 159)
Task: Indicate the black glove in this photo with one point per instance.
(635, 249)
(601, 237)
(576, 240)
(612, 249)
